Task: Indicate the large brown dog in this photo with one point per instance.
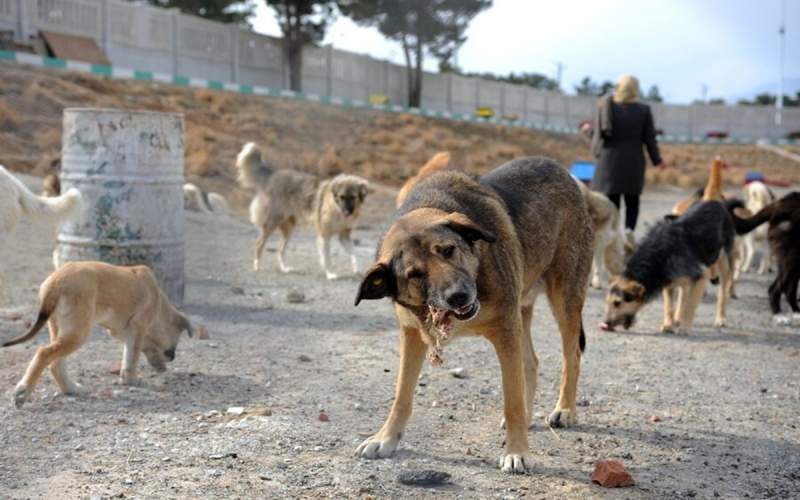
(468, 256)
(127, 301)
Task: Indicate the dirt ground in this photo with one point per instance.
(728, 400)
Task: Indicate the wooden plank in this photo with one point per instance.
(73, 47)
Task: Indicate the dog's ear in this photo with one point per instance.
(633, 291)
(185, 324)
(378, 283)
(467, 229)
(363, 191)
(670, 217)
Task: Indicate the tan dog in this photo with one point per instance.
(711, 191)
(468, 256)
(205, 202)
(286, 197)
(127, 301)
(609, 240)
(439, 161)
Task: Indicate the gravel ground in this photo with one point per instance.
(728, 400)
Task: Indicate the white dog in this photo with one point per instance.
(205, 202)
(17, 202)
(756, 196)
(609, 240)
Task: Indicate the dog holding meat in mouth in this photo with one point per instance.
(467, 256)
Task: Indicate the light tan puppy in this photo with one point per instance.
(127, 301)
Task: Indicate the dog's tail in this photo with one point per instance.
(744, 226)
(582, 339)
(48, 305)
(713, 190)
(40, 207)
(198, 196)
(252, 171)
(437, 162)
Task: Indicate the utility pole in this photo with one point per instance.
(704, 92)
(559, 70)
(782, 35)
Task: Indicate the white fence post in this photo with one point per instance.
(23, 20)
(105, 27)
(449, 90)
(175, 26)
(329, 69)
(235, 53)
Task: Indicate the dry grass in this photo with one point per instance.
(387, 148)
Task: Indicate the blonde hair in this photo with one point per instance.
(627, 89)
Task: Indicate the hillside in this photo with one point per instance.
(380, 146)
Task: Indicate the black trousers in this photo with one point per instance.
(631, 208)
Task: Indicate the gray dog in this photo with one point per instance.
(286, 197)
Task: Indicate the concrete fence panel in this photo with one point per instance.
(75, 17)
(141, 37)
(435, 91)
(260, 60)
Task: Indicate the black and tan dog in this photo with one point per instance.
(678, 253)
(468, 256)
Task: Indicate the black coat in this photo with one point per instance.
(621, 163)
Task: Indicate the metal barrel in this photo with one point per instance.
(128, 166)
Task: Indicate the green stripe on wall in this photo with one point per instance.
(180, 80)
(246, 89)
(101, 69)
(53, 62)
(142, 75)
(213, 84)
(8, 55)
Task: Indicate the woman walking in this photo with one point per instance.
(623, 125)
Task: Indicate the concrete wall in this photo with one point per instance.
(159, 40)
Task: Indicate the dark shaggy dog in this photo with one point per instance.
(784, 241)
(680, 252)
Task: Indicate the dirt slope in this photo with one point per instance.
(383, 147)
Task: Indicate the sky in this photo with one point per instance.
(730, 47)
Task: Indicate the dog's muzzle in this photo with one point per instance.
(170, 354)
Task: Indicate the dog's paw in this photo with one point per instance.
(516, 463)
(75, 389)
(562, 418)
(256, 265)
(719, 323)
(21, 394)
(668, 328)
(286, 269)
(782, 320)
(331, 276)
(596, 284)
(129, 380)
(378, 446)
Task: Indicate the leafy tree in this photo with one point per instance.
(224, 11)
(653, 94)
(535, 80)
(302, 22)
(717, 101)
(588, 87)
(435, 27)
(767, 99)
